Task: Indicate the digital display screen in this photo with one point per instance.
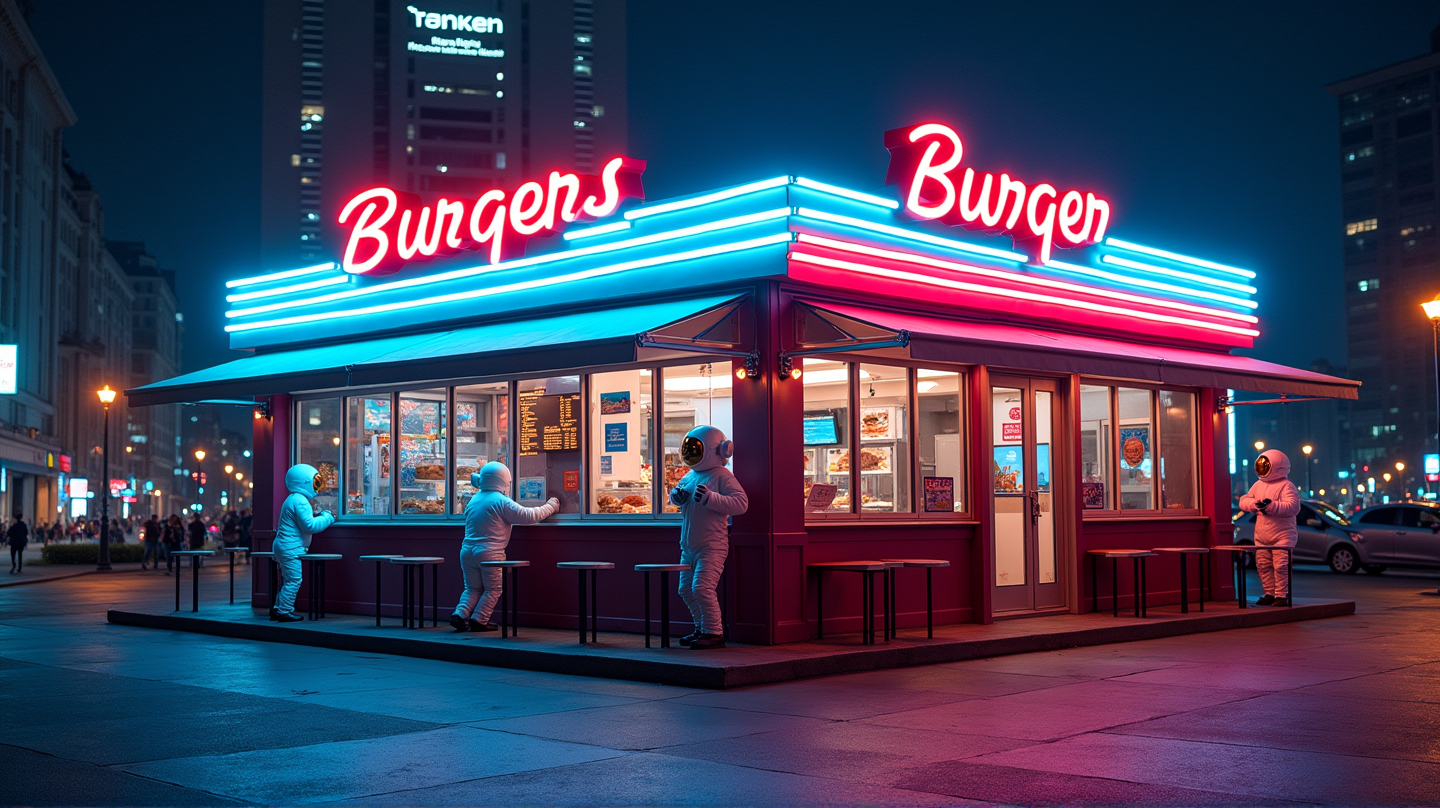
(549, 423)
(820, 430)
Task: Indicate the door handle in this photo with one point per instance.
(1034, 507)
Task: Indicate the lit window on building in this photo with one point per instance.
(1362, 226)
(1414, 230)
(1357, 117)
(294, 159)
(1368, 285)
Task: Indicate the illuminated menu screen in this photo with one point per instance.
(549, 423)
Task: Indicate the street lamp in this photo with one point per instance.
(1307, 449)
(1259, 445)
(199, 479)
(102, 561)
(1432, 310)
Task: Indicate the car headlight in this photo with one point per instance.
(1357, 537)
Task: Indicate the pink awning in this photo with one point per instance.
(942, 340)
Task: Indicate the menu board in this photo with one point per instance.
(549, 423)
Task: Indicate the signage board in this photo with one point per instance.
(1432, 463)
(117, 487)
(9, 369)
(79, 488)
(445, 34)
(549, 423)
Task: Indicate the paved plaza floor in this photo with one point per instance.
(1340, 711)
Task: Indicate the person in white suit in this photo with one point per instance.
(1276, 501)
(489, 516)
(708, 495)
(293, 530)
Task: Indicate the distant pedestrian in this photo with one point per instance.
(150, 534)
(247, 520)
(174, 538)
(17, 537)
(197, 535)
(230, 528)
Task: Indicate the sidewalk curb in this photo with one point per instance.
(64, 577)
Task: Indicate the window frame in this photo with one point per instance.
(1112, 497)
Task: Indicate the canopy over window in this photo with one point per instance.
(937, 339)
(529, 346)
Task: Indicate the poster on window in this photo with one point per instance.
(530, 489)
(939, 494)
(877, 423)
(617, 437)
(1134, 445)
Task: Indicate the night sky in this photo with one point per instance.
(1206, 126)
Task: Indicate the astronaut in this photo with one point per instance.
(294, 528)
(488, 517)
(1276, 501)
(708, 495)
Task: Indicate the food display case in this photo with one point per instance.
(422, 454)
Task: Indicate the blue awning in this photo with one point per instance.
(563, 342)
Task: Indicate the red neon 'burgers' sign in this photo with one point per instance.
(925, 162)
(389, 228)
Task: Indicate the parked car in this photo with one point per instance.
(1325, 536)
(1401, 534)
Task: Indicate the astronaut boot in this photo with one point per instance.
(1281, 602)
(459, 623)
(476, 625)
(707, 641)
(277, 616)
(1265, 601)
(691, 637)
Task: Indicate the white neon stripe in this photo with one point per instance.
(1175, 273)
(537, 283)
(836, 190)
(1015, 277)
(335, 280)
(470, 272)
(613, 227)
(728, 193)
(1131, 281)
(1183, 259)
(916, 277)
(280, 276)
(911, 235)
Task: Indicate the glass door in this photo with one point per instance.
(1025, 427)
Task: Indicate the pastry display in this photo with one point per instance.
(877, 459)
(631, 503)
(607, 503)
(464, 472)
(435, 506)
(875, 424)
(429, 471)
(839, 461)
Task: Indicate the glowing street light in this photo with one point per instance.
(1432, 311)
(1259, 445)
(102, 561)
(1307, 449)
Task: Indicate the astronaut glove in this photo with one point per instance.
(701, 494)
(553, 502)
(679, 496)
(1262, 505)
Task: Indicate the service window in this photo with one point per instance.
(317, 442)
(939, 441)
(548, 414)
(826, 430)
(1137, 450)
(1177, 450)
(884, 453)
(367, 455)
(422, 452)
(693, 395)
(621, 419)
(1096, 474)
(1136, 442)
(482, 434)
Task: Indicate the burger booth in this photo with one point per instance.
(963, 366)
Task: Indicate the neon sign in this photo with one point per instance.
(390, 228)
(924, 160)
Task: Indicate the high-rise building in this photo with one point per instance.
(33, 115)
(439, 97)
(1387, 156)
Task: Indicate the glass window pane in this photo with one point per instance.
(694, 395)
(1096, 477)
(482, 434)
(422, 452)
(548, 442)
(620, 450)
(1177, 450)
(942, 463)
(367, 455)
(884, 439)
(1137, 491)
(827, 435)
(317, 442)
(1012, 509)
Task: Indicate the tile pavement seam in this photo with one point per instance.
(619, 753)
(109, 767)
(1243, 745)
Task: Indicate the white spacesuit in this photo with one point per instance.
(293, 530)
(708, 495)
(1276, 501)
(488, 517)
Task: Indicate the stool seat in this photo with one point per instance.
(1121, 553)
(259, 554)
(586, 565)
(379, 557)
(193, 552)
(321, 557)
(506, 564)
(1238, 548)
(235, 549)
(917, 562)
(855, 566)
(1189, 550)
(661, 567)
(417, 560)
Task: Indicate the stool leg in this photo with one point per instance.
(232, 578)
(664, 608)
(1240, 557)
(405, 596)
(1115, 586)
(435, 595)
(515, 603)
(1144, 590)
(195, 583)
(582, 607)
(646, 575)
(929, 605)
(180, 571)
(377, 594)
(1204, 564)
(1135, 573)
(594, 606)
(1094, 583)
(886, 604)
(869, 622)
(420, 598)
(819, 604)
(274, 568)
(1184, 587)
(324, 581)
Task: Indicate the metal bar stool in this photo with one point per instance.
(271, 571)
(509, 595)
(379, 563)
(591, 567)
(1137, 562)
(195, 556)
(412, 609)
(664, 570)
(231, 551)
(316, 594)
(1237, 555)
(929, 564)
(1184, 552)
(868, 570)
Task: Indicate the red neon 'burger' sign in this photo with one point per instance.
(389, 228)
(924, 163)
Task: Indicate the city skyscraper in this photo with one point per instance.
(1387, 162)
(447, 97)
